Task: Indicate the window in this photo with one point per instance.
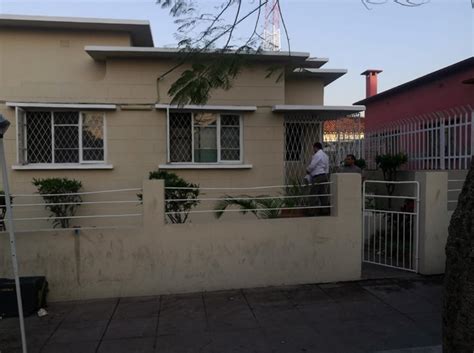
(293, 141)
(61, 137)
(204, 138)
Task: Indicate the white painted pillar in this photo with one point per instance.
(434, 221)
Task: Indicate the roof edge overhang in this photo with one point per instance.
(461, 65)
(61, 105)
(102, 53)
(321, 112)
(209, 107)
(327, 75)
(140, 30)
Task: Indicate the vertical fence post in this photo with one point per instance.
(433, 221)
(153, 204)
(442, 143)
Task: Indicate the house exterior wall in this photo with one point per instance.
(304, 91)
(63, 72)
(52, 66)
(443, 93)
(158, 258)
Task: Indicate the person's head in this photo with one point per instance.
(349, 161)
(317, 146)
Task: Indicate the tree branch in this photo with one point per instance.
(233, 26)
(192, 53)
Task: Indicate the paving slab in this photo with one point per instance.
(239, 341)
(181, 314)
(346, 291)
(137, 307)
(395, 315)
(228, 311)
(432, 349)
(402, 298)
(184, 343)
(80, 331)
(91, 310)
(306, 294)
(131, 328)
(131, 345)
(76, 347)
(272, 297)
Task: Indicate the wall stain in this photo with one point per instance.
(77, 257)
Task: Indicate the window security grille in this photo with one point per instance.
(61, 137)
(301, 132)
(204, 138)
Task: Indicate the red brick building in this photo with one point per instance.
(429, 118)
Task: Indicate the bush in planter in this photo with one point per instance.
(266, 206)
(48, 187)
(361, 163)
(390, 164)
(261, 206)
(190, 193)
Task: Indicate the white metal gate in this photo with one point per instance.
(391, 224)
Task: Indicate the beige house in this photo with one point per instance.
(85, 101)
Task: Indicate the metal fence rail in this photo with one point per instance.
(441, 140)
(390, 234)
(454, 190)
(120, 209)
(306, 200)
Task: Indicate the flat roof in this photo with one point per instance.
(61, 105)
(102, 53)
(321, 112)
(209, 107)
(139, 30)
(327, 75)
(466, 63)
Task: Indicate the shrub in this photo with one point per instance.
(178, 210)
(390, 163)
(361, 163)
(266, 206)
(68, 203)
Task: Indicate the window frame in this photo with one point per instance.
(218, 139)
(22, 133)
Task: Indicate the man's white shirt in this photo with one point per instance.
(319, 164)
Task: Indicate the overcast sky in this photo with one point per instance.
(404, 42)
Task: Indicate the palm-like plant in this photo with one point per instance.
(266, 206)
(262, 206)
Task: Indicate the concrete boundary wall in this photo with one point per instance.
(161, 258)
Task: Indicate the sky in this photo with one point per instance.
(403, 42)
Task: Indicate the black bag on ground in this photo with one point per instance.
(33, 295)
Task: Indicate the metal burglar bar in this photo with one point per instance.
(48, 137)
(300, 133)
(440, 140)
(204, 137)
(390, 229)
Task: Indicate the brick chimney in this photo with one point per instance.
(370, 82)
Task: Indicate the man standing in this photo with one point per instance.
(349, 165)
(318, 172)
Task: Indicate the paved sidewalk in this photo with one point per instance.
(366, 316)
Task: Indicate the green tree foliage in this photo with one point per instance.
(60, 195)
(201, 31)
